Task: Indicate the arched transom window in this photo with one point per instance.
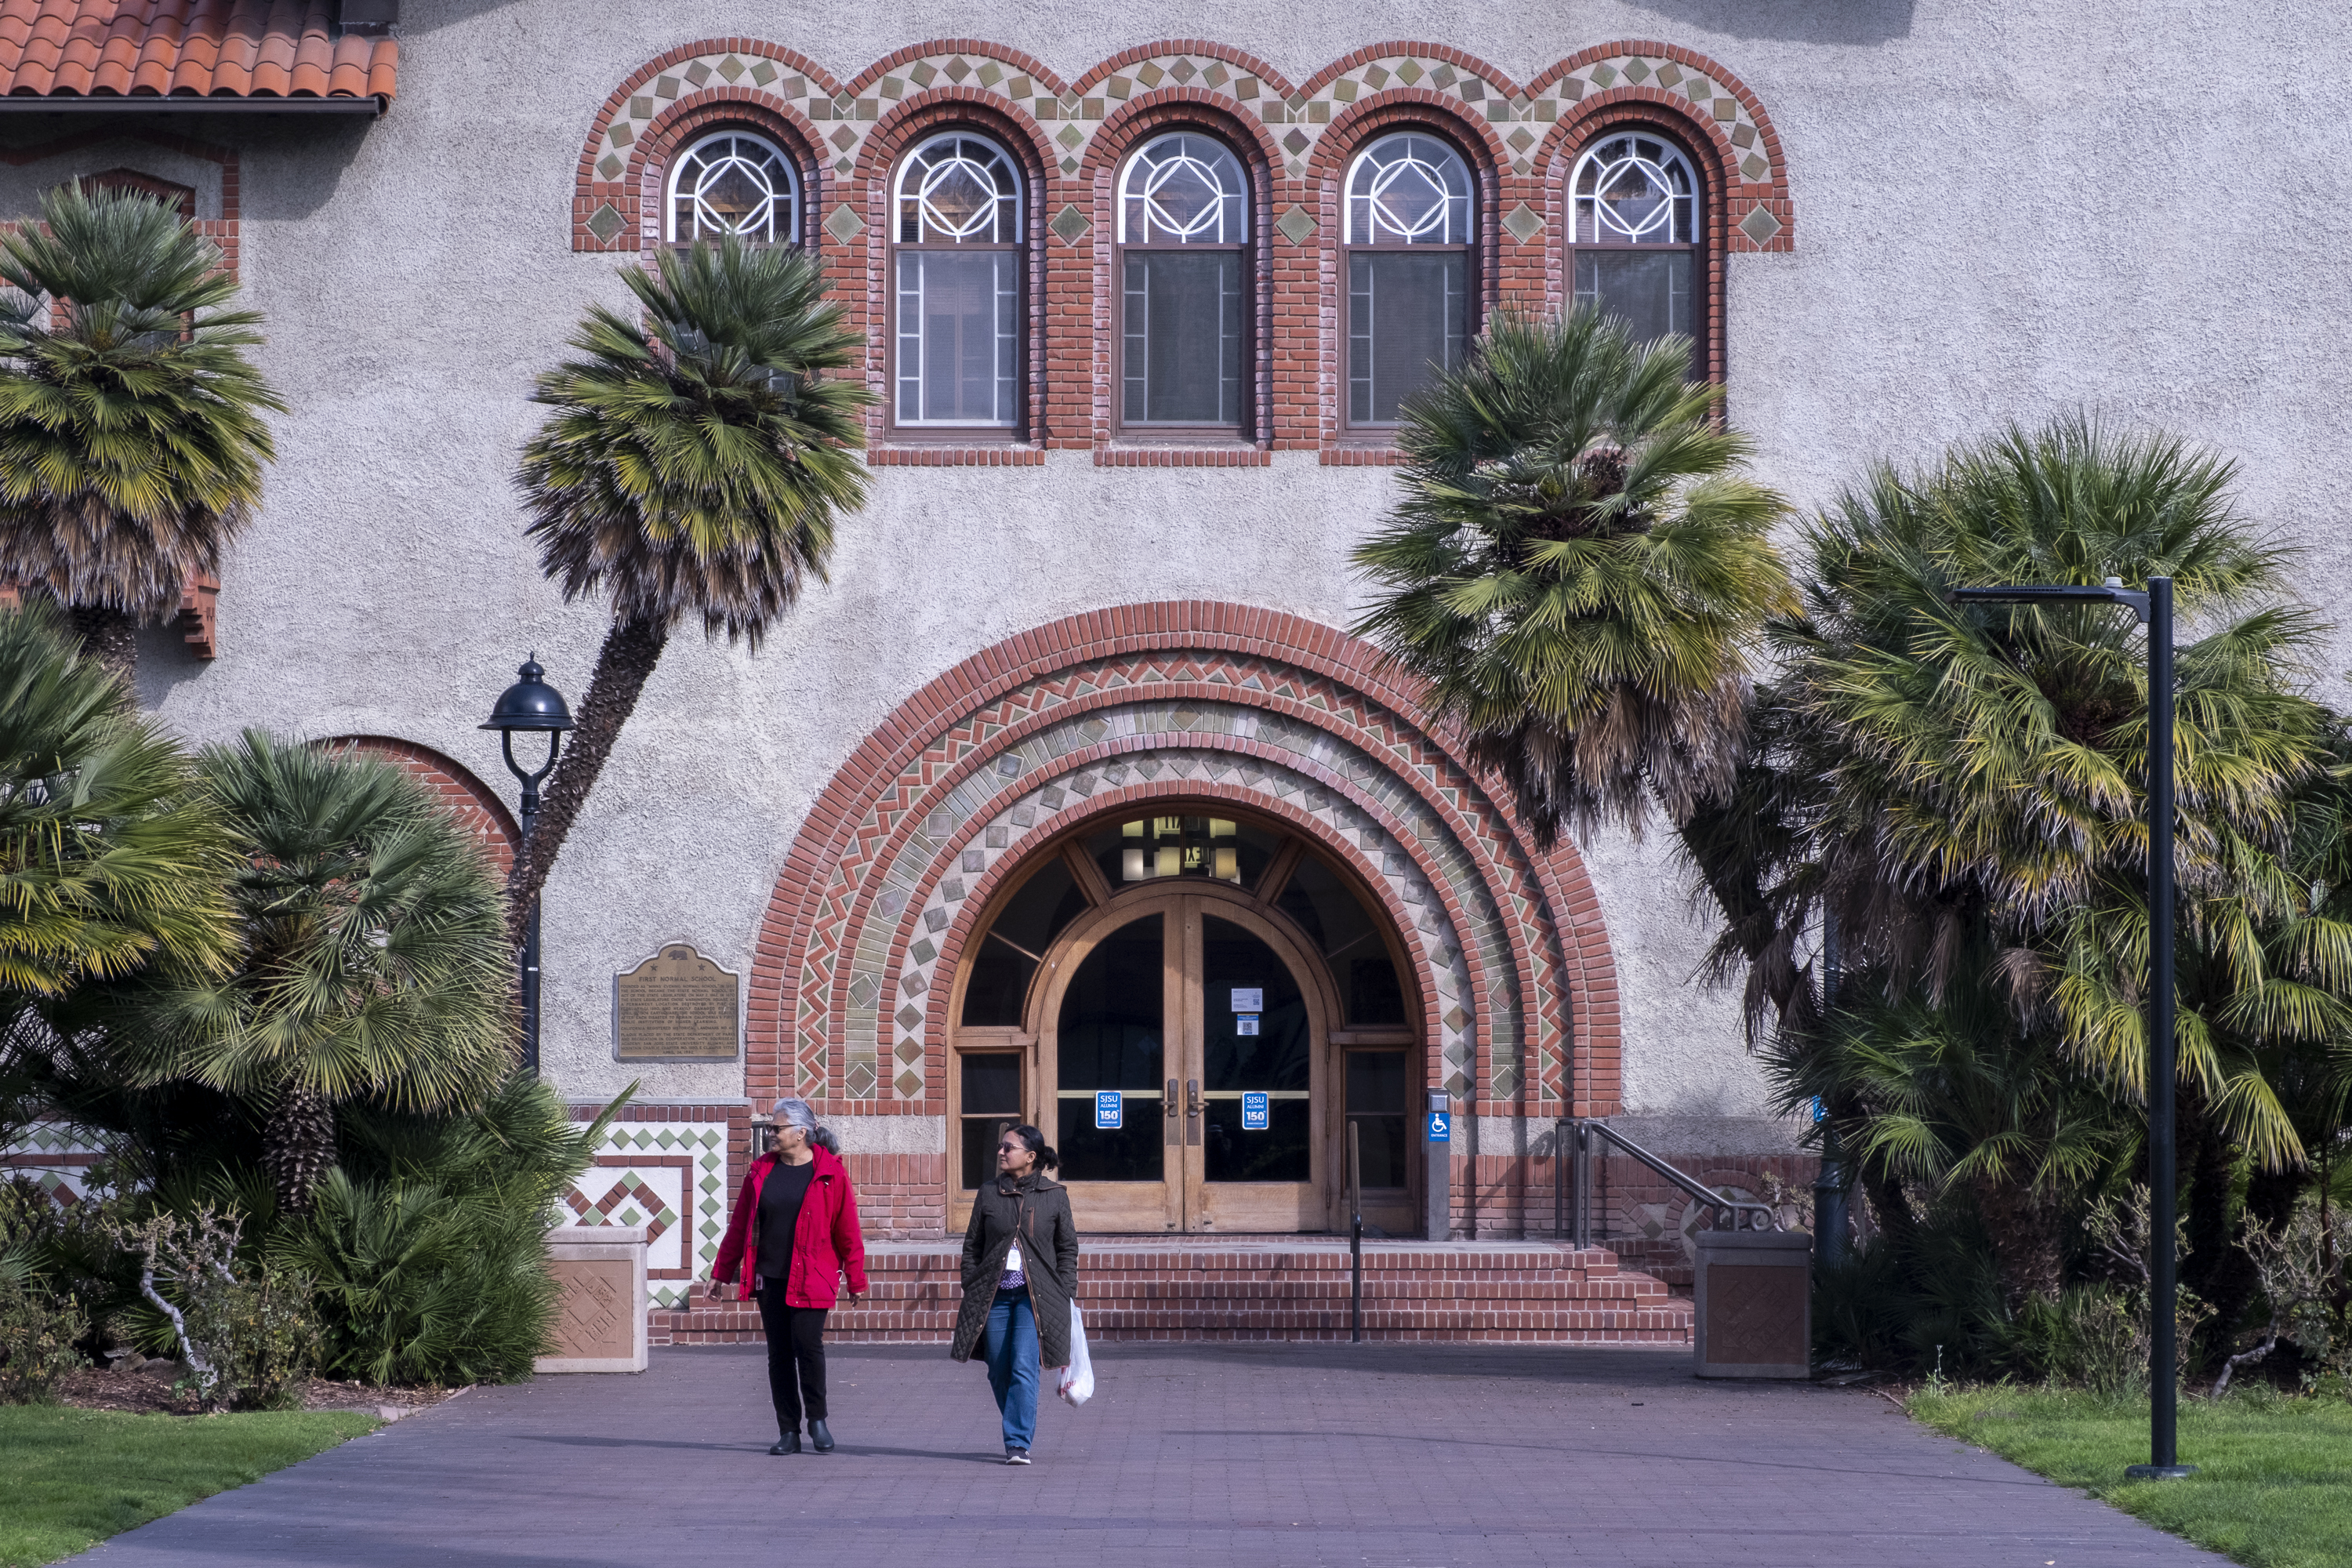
(735, 182)
(1183, 233)
(1409, 230)
(1635, 229)
(956, 284)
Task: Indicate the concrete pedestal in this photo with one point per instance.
(1754, 1303)
(600, 1323)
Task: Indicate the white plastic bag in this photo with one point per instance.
(1079, 1377)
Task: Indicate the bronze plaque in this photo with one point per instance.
(675, 1007)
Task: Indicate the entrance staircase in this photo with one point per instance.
(1264, 1287)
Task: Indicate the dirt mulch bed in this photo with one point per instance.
(150, 1393)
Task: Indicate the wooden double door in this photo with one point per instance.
(1183, 1059)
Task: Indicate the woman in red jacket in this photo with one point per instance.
(793, 1232)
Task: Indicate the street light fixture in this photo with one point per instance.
(531, 705)
(2154, 608)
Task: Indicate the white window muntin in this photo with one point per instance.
(700, 182)
(1409, 189)
(959, 189)
(1634, 190)
(1183, 189)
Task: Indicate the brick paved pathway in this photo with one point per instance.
(1263, 1455)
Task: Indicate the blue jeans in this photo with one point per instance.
(1012, 1344)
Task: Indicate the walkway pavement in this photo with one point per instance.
(1267, 1454)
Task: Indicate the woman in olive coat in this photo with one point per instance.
(1020, 1273)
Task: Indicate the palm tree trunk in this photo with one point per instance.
(2027, 1245)
(632, 648)
(297, 1146)
(108, 636)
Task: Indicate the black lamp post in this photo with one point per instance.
(531, 705)
(2154, 608)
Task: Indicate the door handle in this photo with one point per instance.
(1173, 1108)
(1193, 1111)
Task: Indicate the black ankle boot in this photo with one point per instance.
(789, 1443)
(819, 1438)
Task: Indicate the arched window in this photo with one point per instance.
(1408, 237)
(1635, 234)
(956, 281)
(735, 182)
(1183, 232)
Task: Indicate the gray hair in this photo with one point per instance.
(796, 1113)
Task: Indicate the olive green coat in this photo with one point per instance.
(1036, 1208)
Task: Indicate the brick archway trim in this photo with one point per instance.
(914, 789)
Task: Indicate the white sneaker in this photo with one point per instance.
(1016, 1455)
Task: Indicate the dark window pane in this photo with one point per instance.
(981, 1134)
(992, 1083)
(1380, 1149)
(1349, 936)
(1109, 1036)
(1130, 1152)
(1280, 1154)
(1648, 289)
(1276, 1054)
(1183, 353)
(1375, 1082)
(1016, 941)
(1404, 327)
(1142, 848)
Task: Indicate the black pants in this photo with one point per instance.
(795, 1356)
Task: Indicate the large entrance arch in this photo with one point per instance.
(1197, 1002)
(1202, 708)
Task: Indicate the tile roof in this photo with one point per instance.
(203, 48)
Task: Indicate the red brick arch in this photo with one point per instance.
(836, 897)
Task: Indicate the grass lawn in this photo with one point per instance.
(76, 1477)
(2274, 1486)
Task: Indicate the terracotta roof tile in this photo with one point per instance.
(211, 49)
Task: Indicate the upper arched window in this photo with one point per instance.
(1635, 233)
(735, 182)
(1184, 235)
(1410, 225)
(956, 285)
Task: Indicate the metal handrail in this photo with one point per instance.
(1761, 1216)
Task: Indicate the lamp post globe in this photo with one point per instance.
(530, 707)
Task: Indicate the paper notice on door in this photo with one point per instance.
(1245, 1025)
(1249, 1000)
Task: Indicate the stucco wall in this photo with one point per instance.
(2005, 207)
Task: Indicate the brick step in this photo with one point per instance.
(1149, 1288)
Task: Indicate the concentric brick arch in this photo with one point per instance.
(1029, 738)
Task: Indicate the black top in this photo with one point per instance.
(780, 1197)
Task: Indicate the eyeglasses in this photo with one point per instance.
(1012, 1148)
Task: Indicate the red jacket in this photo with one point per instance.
(824, 1242)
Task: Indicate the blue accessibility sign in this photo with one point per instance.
(1441, 1127)
(1258, 1112)
(1108, 1108)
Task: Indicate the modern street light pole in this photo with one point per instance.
(2154, 608)
(531, 705)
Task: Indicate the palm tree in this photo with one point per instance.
(113, 859)
(375, 961)
(1577, 570)
(131, 435)
(1976, 772)
(692, 466)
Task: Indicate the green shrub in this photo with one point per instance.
(427, 1246)
(38, 1331)
(263, 1337)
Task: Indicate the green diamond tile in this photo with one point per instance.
(1759, 226)
(910, 1083)
(1296, 224)
(1523, 223)
(844, 223)
(1069, 226)
(1755, 168)
(668, 1139)
(710, 1184)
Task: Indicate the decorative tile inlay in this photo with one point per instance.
(670, 1177)
(1074, 114)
